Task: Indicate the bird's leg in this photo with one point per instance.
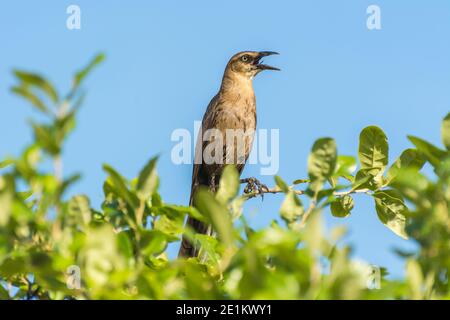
(254, 185)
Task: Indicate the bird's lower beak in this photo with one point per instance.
(262, 66)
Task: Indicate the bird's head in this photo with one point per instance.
(249, 63)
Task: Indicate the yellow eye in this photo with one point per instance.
(245, 58)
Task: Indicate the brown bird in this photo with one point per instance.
(233, 109)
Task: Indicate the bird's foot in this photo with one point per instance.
(254, 186)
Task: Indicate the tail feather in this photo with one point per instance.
(187, 248)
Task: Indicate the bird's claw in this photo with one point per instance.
(254, 186)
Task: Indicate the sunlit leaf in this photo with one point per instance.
(342, 206)
(191, 211)
(409, 158)
(148, 180)
(4, 294)
(208, 246)
(368, 179)
(6, 198)
(432, 153)
(118, 182)
(6, 163)
(291, 208)
(65, 125)
(391, 211)
(170, 222)
(414, 277)
(80, 75)
(281, 184)
(37, 81)
(345, 166)
(413, 186)
(236, 206)
(217, 213)
(229, 184)
(152, 242)
(299, 181)
(373, 149)
(100, 258)
(321, 162)
(46, 138)
(31, 97)
(79, 207)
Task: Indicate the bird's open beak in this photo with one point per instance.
(262, 66)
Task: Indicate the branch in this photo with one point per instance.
(344, 193)
(276, 190)
(313, 203)
(273, 190)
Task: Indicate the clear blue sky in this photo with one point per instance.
(165, 61)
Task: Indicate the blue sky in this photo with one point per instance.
(165, 60)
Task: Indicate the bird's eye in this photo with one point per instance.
(245, 58)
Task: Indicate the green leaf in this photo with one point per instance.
(191, 211)
(433, 154)
(37, 81)
(124, 243)
(24, 195)
(281, 184)
(373, 150)
(79, 76)
(342, 206)
(391, 211)
(208, 245)
(321, 162)
(366, 179)
(152, 242)
(31, 97)
(148, 180)
(217, 213)
(120, 186)
(236, 206)
(80, 208)
(65, 125)
(413, 186)
(68, 183)
(291, 208)
(409, 158)
(414, 278)
(45, 137)
(100, 258)
(229, 184)
(169, 221)
(300, 181)
(6, 199)
(345, 167)
(6, 163)
(445, 131)
(4, 294)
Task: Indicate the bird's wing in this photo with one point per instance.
(198, 176)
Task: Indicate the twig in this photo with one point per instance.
(344, 193)
(312, 206)
(274, 190)
(313, 202)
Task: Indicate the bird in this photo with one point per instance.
(232, 108)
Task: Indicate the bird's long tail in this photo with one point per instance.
(187, 248)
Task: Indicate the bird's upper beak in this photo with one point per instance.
(262, 66)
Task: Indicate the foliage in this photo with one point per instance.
(121, 248)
